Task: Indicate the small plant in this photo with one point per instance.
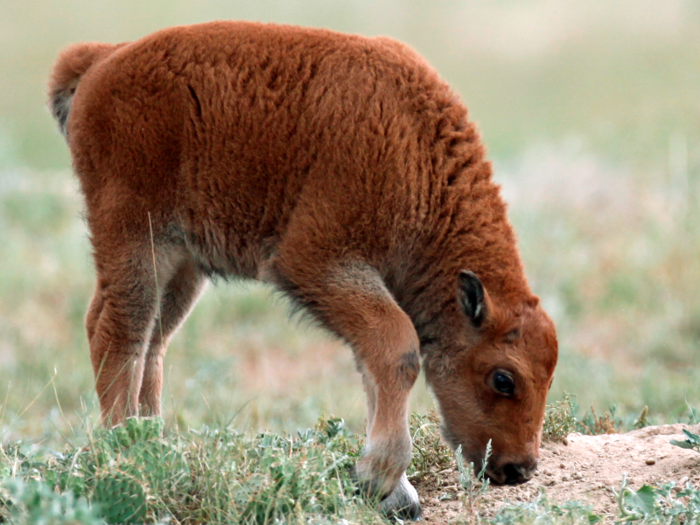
(692, 441)
(542, 512)
(31, 502)
(430, 455)
(634, 505)
(658, 505)
(593, 424)
(121, 496)
(643, 419)
(475, 486)
(559, 420)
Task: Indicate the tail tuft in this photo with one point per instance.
(72, 64)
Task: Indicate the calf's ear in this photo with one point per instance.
(471, 297)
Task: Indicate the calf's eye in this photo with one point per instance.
(503, 383)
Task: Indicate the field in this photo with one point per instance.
(590, 112)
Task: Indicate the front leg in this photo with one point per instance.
(352, 301)
(381, 471)
(403, 500)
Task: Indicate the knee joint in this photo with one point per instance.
(408, 369)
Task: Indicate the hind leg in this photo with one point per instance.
(119, 323)
(178, 299)
(352, 301)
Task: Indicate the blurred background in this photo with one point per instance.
(591, 114)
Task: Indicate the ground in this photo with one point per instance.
(584, 468)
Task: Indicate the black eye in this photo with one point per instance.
(503, 383)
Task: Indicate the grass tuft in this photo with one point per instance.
(136, 474)
(475, 484)
(643, 419)
(543, 512)
(593, 424)
(131, 474)
(430, 454)
(559, 419)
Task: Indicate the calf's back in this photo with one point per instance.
(222, 131)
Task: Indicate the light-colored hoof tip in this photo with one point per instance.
(403, 502)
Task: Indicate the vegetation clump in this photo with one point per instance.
(594, 425)
(130, 474)
(559, 420)
(692, 441)
(135, 474)
(542, 511)
(665, 504)
(658, 505)
(431, 456)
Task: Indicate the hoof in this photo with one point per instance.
(366, 487)
(375, 483)
(402, 502)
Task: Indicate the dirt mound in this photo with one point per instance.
(584, 469)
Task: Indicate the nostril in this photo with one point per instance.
(516, 474)
(512, 474)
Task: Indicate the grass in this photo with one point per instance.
(542, 511)
(138, 474)
(431, 456)
(474, 483)
(564, 416)
(560, 420)
(133, 475)
(662, 505)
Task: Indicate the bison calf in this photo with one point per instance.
(340, 169)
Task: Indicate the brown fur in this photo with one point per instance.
(341, 169)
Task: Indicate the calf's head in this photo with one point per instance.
(491, 370)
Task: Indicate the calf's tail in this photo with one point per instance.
(71, 65)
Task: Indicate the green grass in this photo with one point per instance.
(133, 475)
(662, 505)
(541, 511)
(137, 474)
(560, 420)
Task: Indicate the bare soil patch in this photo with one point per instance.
(586, 468)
